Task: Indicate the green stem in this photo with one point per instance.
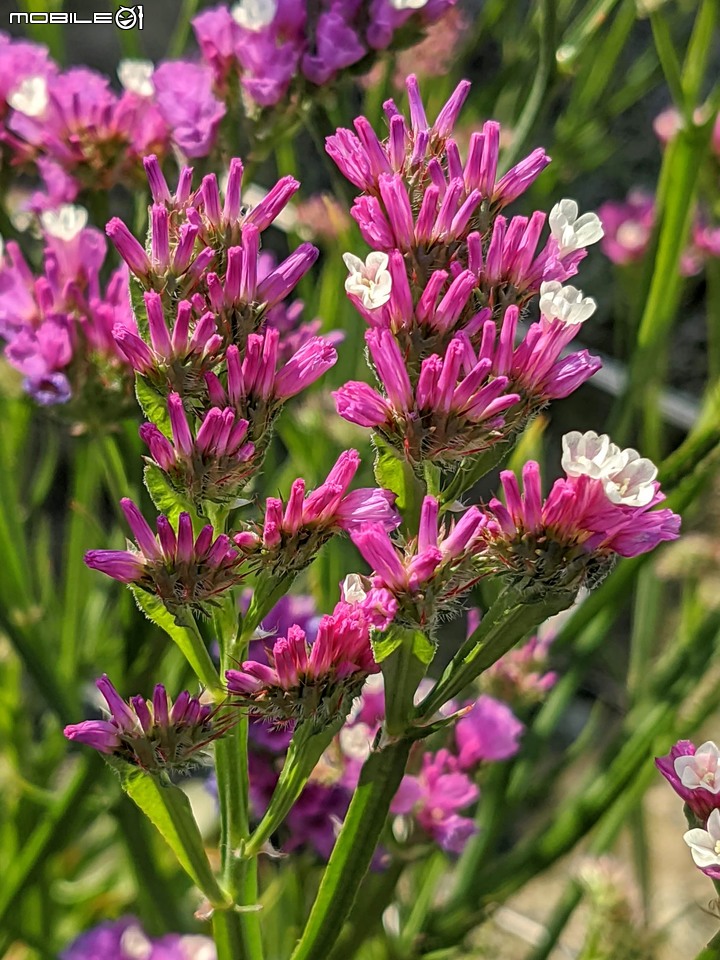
(354, 848)
(538, 96)
(511, 618)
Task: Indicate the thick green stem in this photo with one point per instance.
(354, 848)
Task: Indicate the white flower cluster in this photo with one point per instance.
(370, 281)
(565, 303)
(627, 478)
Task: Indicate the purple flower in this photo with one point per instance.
(337, 45)
(182, 570)
(692, 772)
(628, 227)
(125, 939)
(154, 734)
(184, 96)
(490, 731)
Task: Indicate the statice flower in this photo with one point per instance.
(489, 731)
(213, 464)
(428, 574)
(24, 66)
(309, 680)
(292, 533)
(692, 772)
(125, 939)
(628, 227)
(58, 326)
(455, 410)
(175, 359)
(76, 120)
(156, 735)
(521, 675)
(602, 508)
(705, 845)
(185, 99)
(257, 387)
(434, 796)
(267, 45)
(183, 571)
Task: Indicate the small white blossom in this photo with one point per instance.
(571, 231)
(408, 4)
(370, 281)
(30, 97)
(352, 588)
(705, 844)
(136, 76)
(197, 948)
(629, 479)
(587, 454)
(356, 741)
(254, 15)
(66, 222)
(565, 303)
(135, 945)
(700, 771)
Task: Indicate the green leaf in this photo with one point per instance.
(167, 807)
(164, 495)
(397, 475)
(153, 404)
(138, 306)
(404, 656)
(186, 636)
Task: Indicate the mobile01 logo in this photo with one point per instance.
(124, 18)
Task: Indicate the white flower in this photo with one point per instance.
(370, 281)
(30, 97)
(356, 741)
(629, 479)
(352, 588)
(700, 771)
(587, 454)
(408, 4)
(565, 303)
(135, 945)
(573, 232)
(197, 948)
(136, 76)
(705, 844)
(65, 223)
(254, 15)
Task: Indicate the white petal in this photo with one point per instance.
(136, 76)
(64, 223)
(30, 97)
(254, 15)
(353, 263)
(376, 261)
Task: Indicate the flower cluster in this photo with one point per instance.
(77, 133)
(692, 772)
(428, 574)
(58, 326)
(125, 939)
(155, 734)
(292, 533)
(443, 288)
(309, 680)
(183, 571)
(600, 509)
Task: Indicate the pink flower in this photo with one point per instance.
(628, 227)
(434, 797)
(603, 507)
(334, 667)
(182, 570)
(490, 731)
(431, 571)
(692, 772)
(152, 734)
